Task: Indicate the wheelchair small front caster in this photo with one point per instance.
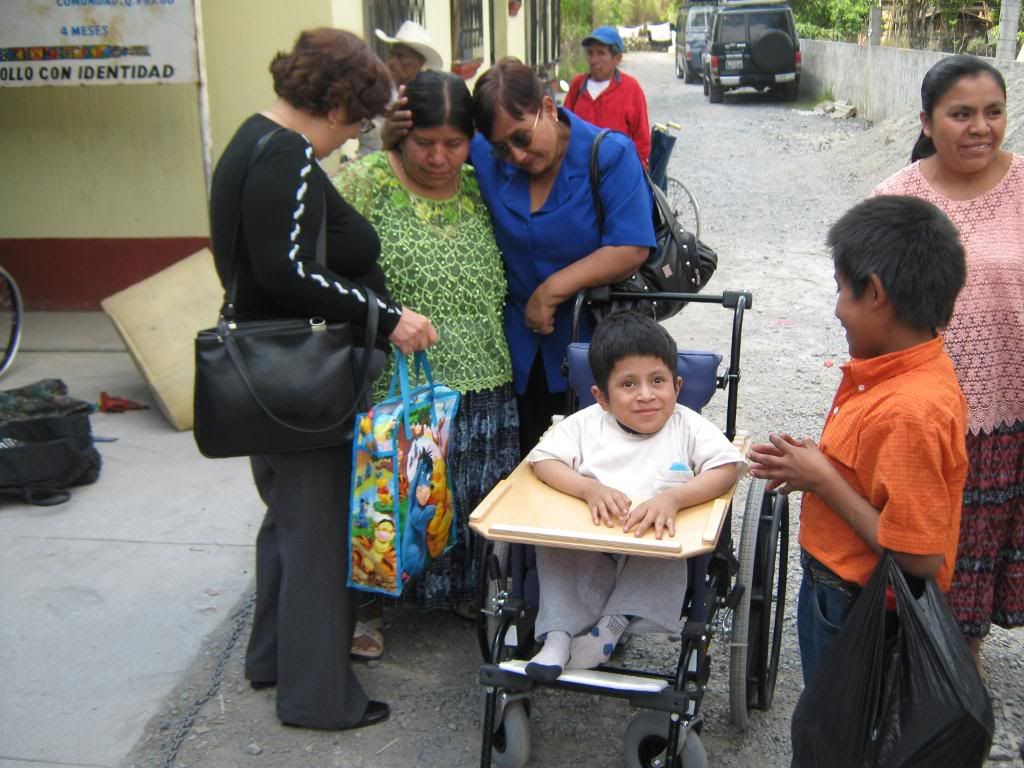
(511, 739)
(645, 744)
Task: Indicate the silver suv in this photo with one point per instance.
(691, 41)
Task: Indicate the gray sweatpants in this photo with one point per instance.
(578, 587)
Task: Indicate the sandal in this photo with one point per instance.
(371, 615)
(367, 643)
(467, 609)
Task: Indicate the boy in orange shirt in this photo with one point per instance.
(890, 468)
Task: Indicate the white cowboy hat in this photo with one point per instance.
(416, 37)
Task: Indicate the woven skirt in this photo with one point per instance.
(483, 449)
(988, 583)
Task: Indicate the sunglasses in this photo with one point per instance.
(521, 140)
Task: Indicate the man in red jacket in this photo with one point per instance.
(607, 97)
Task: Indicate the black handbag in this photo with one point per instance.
(678, 262)
(272, 386)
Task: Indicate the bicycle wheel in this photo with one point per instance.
(684, 205)
(11, 311)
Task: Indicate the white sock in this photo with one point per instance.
(594, 648)
(547, 665)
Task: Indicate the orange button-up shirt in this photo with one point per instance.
(896, 433)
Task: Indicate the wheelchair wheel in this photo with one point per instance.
(768, 598)
(739, 679)
(646, 741)
(511, 741)
(11, 310)
(684, 205)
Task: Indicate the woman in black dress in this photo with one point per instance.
(304, 620)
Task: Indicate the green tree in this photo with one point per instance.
(838, 19)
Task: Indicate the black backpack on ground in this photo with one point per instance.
(46, 443)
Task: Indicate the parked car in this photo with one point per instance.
(691, 40)
(752, 43)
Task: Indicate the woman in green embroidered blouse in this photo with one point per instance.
(439, 257)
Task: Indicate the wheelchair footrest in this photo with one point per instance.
(595, 678)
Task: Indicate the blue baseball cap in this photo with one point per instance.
(606, 36)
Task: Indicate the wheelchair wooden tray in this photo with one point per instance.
(524, 510)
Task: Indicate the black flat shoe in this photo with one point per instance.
(376, 712)
(259, 685)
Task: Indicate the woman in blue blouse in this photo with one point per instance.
(532, 163)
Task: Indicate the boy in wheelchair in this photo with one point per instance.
(636, 457)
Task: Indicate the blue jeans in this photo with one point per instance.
(820, 614)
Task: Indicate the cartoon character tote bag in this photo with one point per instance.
(402, 514)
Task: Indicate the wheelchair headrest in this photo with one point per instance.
(698, 369)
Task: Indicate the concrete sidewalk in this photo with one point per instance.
(106, 599)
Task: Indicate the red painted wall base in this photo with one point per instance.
(76, 273)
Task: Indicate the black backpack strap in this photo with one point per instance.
(595, 177)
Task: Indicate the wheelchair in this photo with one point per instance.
(683, 202)
(735, 598)
(11, 319)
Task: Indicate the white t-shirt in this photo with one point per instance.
(641, 466)
(596, 87)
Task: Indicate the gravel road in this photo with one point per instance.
(770, 178)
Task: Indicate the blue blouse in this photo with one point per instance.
(536, 245)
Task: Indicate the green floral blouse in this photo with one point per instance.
(440, 259)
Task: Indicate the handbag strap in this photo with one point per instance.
(595, 177)
(228, 310)
(362, 377)
(659, 201)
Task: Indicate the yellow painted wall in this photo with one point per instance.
(101, 161)
(437, 21)
(241, 37)
(127, 161)
(348, 14)
(517, 33)
(499, 13)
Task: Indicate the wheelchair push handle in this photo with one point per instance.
(604, 294)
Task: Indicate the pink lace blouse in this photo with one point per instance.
(986, 337)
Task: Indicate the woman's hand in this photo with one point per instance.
(414, 332)
(540, 309)
(397, 121)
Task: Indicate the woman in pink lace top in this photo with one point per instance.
(958, 165)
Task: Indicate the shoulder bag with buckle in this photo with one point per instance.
(272, 386)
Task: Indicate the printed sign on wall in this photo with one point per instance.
(97, 42)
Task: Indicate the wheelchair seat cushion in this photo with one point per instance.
(698, 369)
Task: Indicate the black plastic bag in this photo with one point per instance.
(894, 692)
